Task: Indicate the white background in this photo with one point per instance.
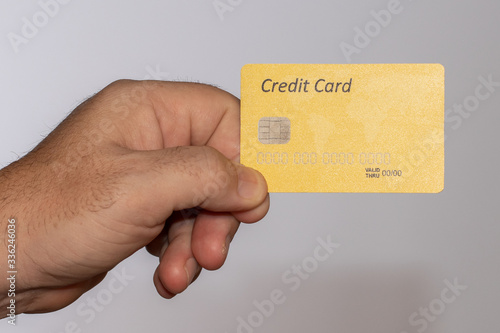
(396, 250)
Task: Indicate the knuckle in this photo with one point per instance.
(210, 169)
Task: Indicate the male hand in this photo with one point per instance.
(119, 174)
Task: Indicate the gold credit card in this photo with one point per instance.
(344, 128)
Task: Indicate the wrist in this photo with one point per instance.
(17, 269)
(16, 293)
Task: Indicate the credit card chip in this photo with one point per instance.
(274, 130)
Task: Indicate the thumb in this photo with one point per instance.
(185, 177)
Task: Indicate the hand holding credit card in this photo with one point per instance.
(344, 128)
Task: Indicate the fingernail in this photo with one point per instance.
(248, 182)
(191, 267)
